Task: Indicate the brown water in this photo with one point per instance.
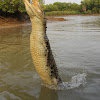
(76, 48)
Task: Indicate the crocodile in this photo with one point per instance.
(41, 52)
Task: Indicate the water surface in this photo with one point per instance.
(76, 48)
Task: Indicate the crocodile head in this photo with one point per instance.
(34, 9)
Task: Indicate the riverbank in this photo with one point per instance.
(9, 22)
(13, 22)
(75, 15)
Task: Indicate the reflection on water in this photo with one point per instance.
(76, 49)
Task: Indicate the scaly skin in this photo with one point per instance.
(39, 45)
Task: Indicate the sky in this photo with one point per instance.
(52, 1)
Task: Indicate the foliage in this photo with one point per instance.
(67, 6)
(61, 13)
(50, 7)
(13, 6)
(89, 12)
(93, 5)
(86, 6)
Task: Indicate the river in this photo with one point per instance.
(76, 49)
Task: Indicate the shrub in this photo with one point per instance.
(12, 6)
(89, 12)
(61, 13)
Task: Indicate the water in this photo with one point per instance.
(76, 48)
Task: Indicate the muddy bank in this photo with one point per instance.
(56, 19)
(11, 22)
(98, 14)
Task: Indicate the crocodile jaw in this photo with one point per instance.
(34, 9)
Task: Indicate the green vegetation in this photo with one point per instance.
(13, 6)
(61, 13)
(58, 8)
(86, 7)
(92, 6)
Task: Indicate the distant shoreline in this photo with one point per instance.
(75, 15)
(12, 22)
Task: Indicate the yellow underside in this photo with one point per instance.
(40, 61)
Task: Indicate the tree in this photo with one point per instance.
(13, 6)
(93, 5)
(97, 5)
(50, 7)
(61, 6)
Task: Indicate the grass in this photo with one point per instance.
(55, 13)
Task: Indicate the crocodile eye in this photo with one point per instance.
(51, 71)
(56, 77)
(51, 75)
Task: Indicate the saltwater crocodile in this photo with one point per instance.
(39, 45)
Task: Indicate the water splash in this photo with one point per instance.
(75, 82)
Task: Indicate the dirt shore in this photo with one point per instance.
(56, 19)
(13, 22)
(9, 22)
